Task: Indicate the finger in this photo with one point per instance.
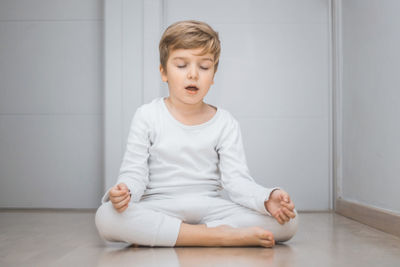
(123, 208)
(289, 206)
(122, 203)
(281, 196)
(118, 195)
(278, 218)
(284, 217)
(119, 199)
(288, 212)
(122, 186)
(285, 196)
(115, 192)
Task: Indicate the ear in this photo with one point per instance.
(163, 74)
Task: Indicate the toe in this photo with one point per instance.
(267, 235)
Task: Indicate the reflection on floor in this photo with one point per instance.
(49, 238)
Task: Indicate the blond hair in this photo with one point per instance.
(189, 34)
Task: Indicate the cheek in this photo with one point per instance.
(209, 77)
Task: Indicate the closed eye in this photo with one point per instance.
(181, 67)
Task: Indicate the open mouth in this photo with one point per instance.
(191, 88)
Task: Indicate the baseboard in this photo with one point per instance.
(380, 219)
(314, 211)
(46, 210)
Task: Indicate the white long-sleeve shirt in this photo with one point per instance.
(165, 158)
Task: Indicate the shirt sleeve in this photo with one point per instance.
(235, 175)
(134, 169)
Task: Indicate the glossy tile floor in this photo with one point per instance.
(49, 238)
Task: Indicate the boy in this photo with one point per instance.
(180, 153)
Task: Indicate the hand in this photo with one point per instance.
(120, 196)
(280, 206)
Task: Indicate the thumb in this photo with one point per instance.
(122, 186)
(284, 197)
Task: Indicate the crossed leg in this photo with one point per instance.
(234, 225)
(227, 224)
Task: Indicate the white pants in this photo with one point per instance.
(157, 222)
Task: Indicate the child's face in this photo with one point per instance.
(184, 69)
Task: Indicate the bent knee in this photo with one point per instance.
(105, 220)
(287, 230)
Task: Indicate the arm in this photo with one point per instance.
(235, 175)
(134, 168)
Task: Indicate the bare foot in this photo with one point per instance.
(249, 236)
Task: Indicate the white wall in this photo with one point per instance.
(275, 55)
(274, 76)
(371, 98)
(51, 112)
(51, 93)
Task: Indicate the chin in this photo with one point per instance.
(193, 100)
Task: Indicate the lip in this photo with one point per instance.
(192, 92)
(192, 85)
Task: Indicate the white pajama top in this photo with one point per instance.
(165, 158)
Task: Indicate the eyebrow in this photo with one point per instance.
(206, 58)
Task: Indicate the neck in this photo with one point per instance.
(185, 109)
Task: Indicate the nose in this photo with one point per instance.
(193, 73)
